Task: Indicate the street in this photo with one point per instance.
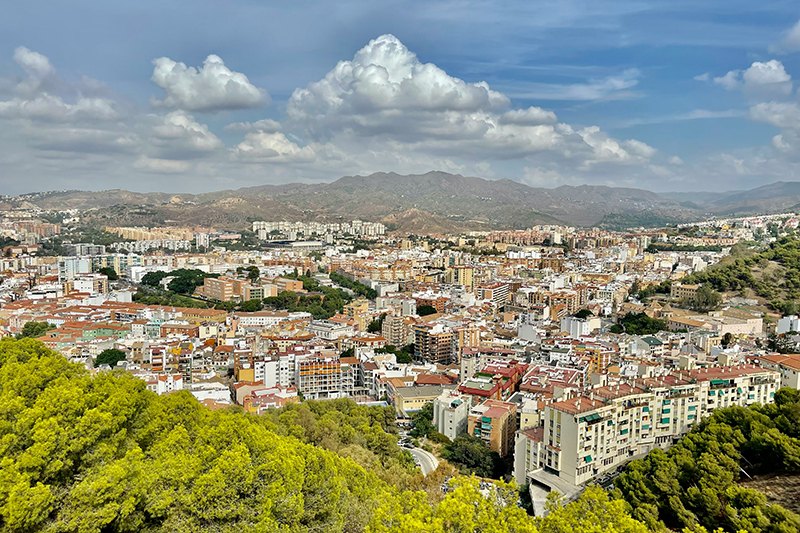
(427, 461)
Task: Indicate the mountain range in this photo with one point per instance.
(431, 202)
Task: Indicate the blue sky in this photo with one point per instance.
(663, 95)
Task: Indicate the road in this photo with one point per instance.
(427, 461)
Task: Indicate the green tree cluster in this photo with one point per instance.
(638, 324)
(425, 310)
(355, 286)
(320, 301)
(185, 280)
(103, 454)
(694, 483)
(108, 272)
(471, 455)
(403, 355)
(34, 329)
(110, 357)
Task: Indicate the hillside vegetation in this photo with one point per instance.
(772, 274)
(102, 454)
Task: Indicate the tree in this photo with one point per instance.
(376, 325)
(425, 310)
(706, 298)
(727, 339)
(34, 329)
(473, 456)
(110, 357)
(108, 272)
(583, 313)
(250, 306)
(253, 273)
(423, 421)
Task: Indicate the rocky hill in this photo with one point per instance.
(435, 201)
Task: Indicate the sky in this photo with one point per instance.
(665, 95)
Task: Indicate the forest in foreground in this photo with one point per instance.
(100, 453)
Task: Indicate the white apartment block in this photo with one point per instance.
(582, 438)
(451, 413)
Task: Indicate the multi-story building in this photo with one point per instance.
(434, 343)
(494, 422)
(450, 413)
(398, 330)
(319, 377)
(787, 365)
(595, 433)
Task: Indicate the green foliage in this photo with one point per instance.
(705, 299)
(102, 453)
(423, 421)
(376, 325)
(661, 288)
(150, 296)
(583, 313)
(321, 302)
(34, 329)
(592, 511)
(639, 324)
(110, 357)
(425, 310)
(694, 483)
(471, 455)
(250, 306)
(355, 286)
(109, 272)
(748, 269)
(402, 355)
(184, 281)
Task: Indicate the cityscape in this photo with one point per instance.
(343, 316)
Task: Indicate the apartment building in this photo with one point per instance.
(595, 433)
(497, 293)
(450, 413)
(398, 330)
(680, 291)
(788, 365)
(434, 343)
(494, 422)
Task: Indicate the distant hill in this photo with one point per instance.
(431, 202)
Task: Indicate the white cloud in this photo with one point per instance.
(213, 87)
(385, 75)
(530, 116)
(730, 81)
(614, 87)
(271, 147)
(790, 42)
(36, 66)
(266, 124)
(178, 135)
(705, 76)
(760, 79)
(779, 114)
(385, 101)
(47, 107)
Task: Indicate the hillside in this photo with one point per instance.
(92, 454)
(431, 202)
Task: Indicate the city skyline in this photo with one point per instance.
(637, 95)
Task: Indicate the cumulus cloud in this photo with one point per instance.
(178, 136)
(271, 147)
(386, 99)
(759, 79)
(779, 114)
(213, 87)
(790, 41)
(385, 75)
